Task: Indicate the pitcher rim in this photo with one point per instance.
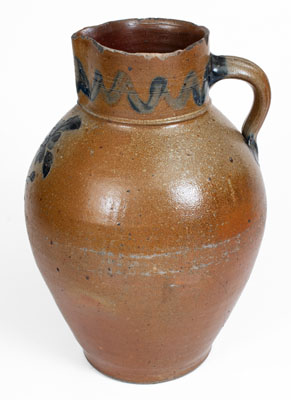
(88, 32)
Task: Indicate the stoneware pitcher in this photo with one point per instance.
(145, 207)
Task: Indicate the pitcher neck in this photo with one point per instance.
(142, 70)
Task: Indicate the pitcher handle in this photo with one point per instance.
(230, 67)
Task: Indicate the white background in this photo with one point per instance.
(39, 357)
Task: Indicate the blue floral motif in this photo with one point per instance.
(44, 155)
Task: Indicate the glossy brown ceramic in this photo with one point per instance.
(145, 206)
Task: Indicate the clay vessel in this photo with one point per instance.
(145, 206)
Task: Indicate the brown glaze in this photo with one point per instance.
(145, 208)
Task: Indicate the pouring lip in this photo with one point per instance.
(89, 34)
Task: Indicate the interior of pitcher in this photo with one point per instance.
(146, 35)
